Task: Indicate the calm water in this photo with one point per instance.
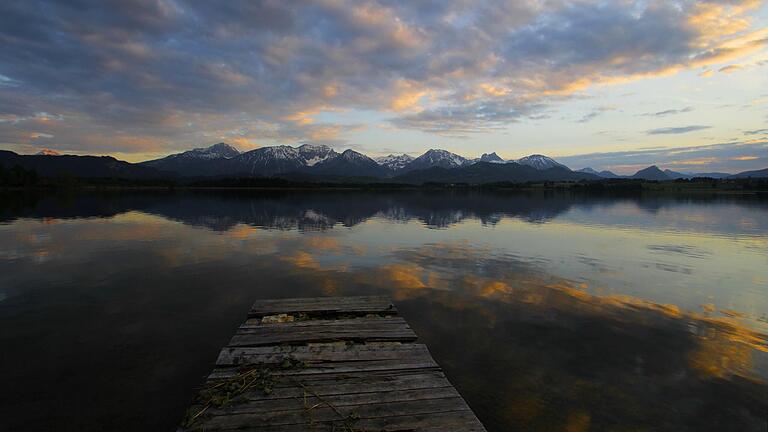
(547, 311)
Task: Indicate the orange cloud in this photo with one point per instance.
(492, 90)
(301, 117)
(407, 95)
(243, 142)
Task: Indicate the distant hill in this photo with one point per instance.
(674, 174)
(489, 172)
(678, 175)
(714, 175)
(80, 166)
(651, 173)
(603, 174)
(763, 173)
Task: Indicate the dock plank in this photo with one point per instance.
(328, 305)
(352, 365)
(235, 355)
(393, 329)
(355, 382)
(299, 415)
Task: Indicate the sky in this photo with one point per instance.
(614, 85)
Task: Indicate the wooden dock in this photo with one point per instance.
(327, 364)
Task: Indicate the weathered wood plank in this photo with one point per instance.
(309, 398)
(234, 356)
(326, 359)
(354, 383)
(324, 305)
(366, 321)
(456, 421)
(359, 330)
(326, 413)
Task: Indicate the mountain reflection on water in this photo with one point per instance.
(547, 311)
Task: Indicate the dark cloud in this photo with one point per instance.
(676, 130)
(756, 132)
(133, 75)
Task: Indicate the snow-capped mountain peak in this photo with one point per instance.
(437, 158)
(352, 155)
(223, 150)
(394, 162)
(314, 154)
(278, 152)
(540, 162)
(216, 151)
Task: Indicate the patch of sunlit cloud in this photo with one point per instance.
(730, 68)
(695, 162)
(243, 143)
(39, 135)
(408, 95)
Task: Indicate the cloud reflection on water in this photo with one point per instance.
(530, 348)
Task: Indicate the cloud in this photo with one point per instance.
(668, 112)
(723, 157)
(133, 75)
(7, 81)
(676, 130)
(730, 68)
(595, 113)
(756, 132)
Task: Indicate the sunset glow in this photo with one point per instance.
(611, 85)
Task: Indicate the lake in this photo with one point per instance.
(548, 311)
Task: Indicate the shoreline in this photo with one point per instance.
(590, 188)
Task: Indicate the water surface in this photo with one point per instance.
(547, 311)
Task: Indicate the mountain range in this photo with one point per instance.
(320, 162)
